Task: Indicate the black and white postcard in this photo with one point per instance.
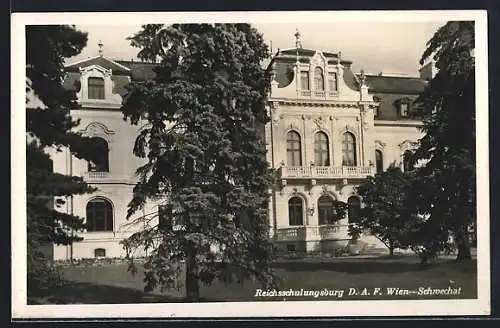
(250, 164)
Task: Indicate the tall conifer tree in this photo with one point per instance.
(205, 153)
(49, 128)
(448, 180)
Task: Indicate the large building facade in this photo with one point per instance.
(330, 128)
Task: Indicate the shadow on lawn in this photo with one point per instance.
(365, 266)
(88, 293)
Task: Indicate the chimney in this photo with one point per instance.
(428, 71)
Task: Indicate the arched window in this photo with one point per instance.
(319, 79)
(304, 80)
(101, 163)
(353, 208)
(295, 211)
(96, 88)
(293, 149)
(379, 161)
(99, 215)
(408, 161)
(325, 210)
(321, 151)
(348, 150)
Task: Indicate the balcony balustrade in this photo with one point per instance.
(316, 232)
(326, 172)
(291, 233)
(96, 177)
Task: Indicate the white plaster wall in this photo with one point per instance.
(117, 187)
(394, 141)
(307, 121)
(121, 138)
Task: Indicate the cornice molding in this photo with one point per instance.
(408, 123)
(313, 103)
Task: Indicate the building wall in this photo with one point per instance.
(393, 139)
(116, 186)
(346, 110)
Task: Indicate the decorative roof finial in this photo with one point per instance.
(362, 77)
(100, 45)
(298, 43)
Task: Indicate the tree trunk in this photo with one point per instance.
(192, 284)
(463, 245)
(391, 251)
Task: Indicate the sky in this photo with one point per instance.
(388, 47)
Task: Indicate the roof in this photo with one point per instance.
(284, 60)
(395, 84)
(100, 61)
(138, 71)
(306, 54)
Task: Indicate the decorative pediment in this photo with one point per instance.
(97, 129)
(319, 122)
(379, 144)
(324, 190)
(102, 62)
(95, 71)
(295, 127)
(407, 144)
(318, 60)
(349, 128)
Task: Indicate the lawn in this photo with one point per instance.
(112, 284)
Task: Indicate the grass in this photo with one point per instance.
(112, 284)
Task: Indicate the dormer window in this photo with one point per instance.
(96, 88)
(304, 80)
(403, 110)
(376, 109)
(332, 82)
(403, 106)
(319, 81)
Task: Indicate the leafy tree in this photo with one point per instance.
(447, 182)
(48, 127)
(387, 213)
(205, 155)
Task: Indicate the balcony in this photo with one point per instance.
(108, 177)
(326, 172)
(291, 234)
(313, 94)
(91, 176)
(311, 233)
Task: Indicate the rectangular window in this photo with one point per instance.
(332, 82)
(96, 88)
(404, 109)
(304, 80)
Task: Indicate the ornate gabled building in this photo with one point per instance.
(330, 128)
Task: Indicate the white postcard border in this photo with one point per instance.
(479, 306)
